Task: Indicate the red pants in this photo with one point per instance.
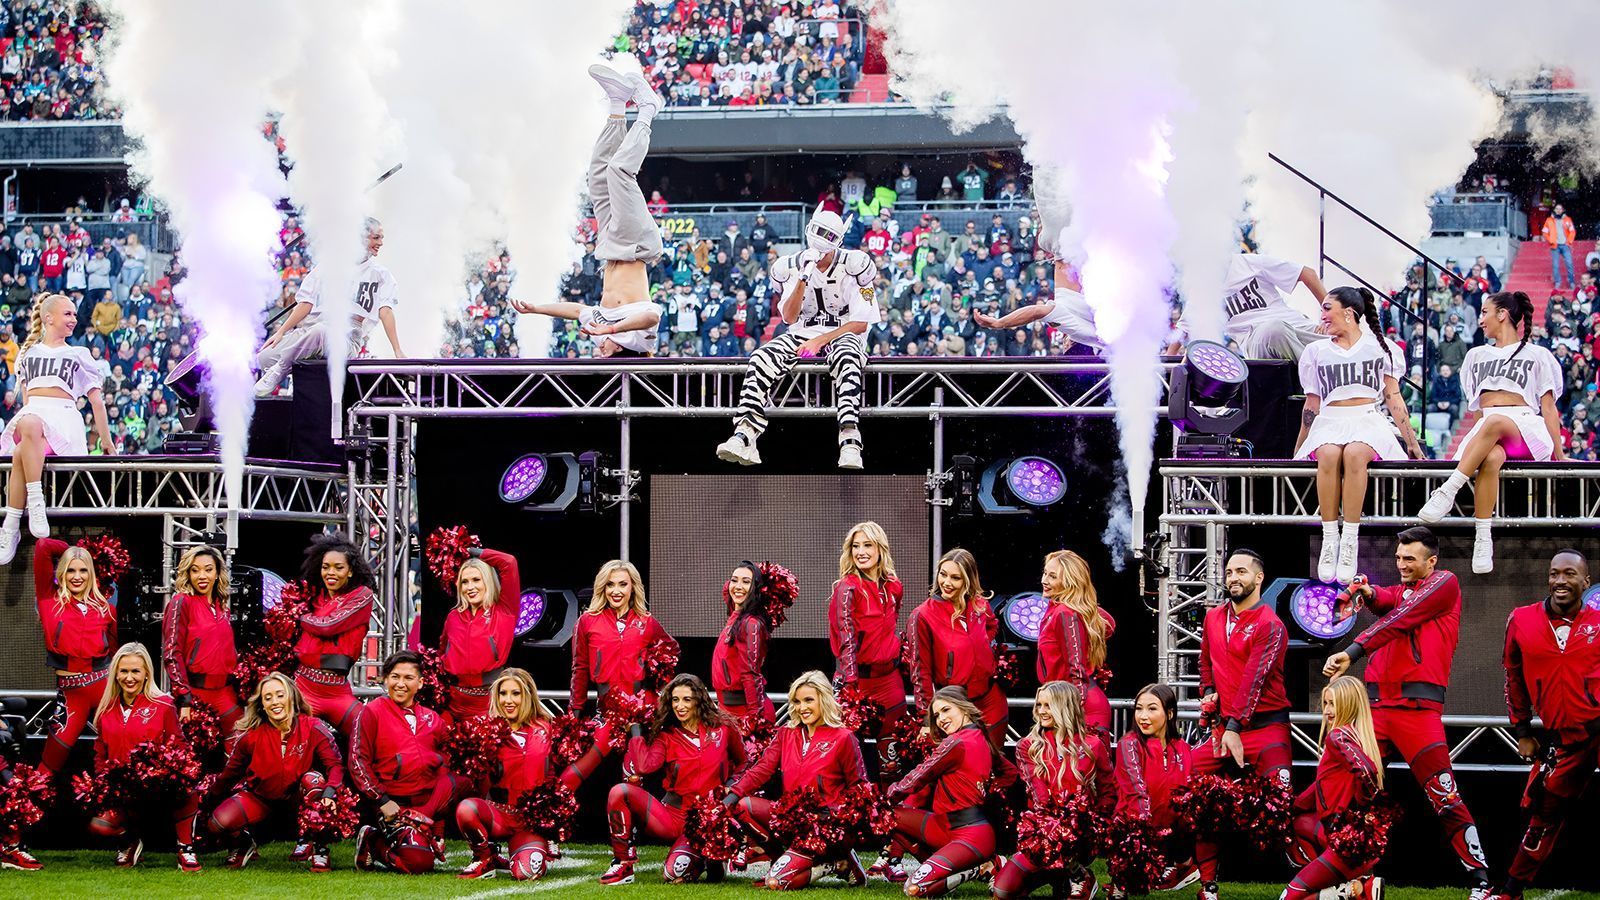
(1019, 877)
(335, 704)
(791, 869)
(1323, 868)
(955, 850)
(996, 715)
(448, 789)
(225, 700)
(76, 697)
(247, 808)
(114, 823)
(1551, 799)
(1097, 708)
(481, 822)
(629, 804)
(1266, 752)
(463, 705)
(769, 713)
(1418, 736)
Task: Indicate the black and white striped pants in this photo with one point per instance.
(846, 357)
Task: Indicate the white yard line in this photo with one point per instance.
(535, 887)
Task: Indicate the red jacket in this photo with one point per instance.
(77, 636)
(332, 632)
(957, 772)
(691, 767)
(862, 621)
(1557, 680)
(388, 758)
(1346, 777)
(122, 728)
(196, 645)
(271, 764)
(475, 643)
(830, 762)
(736, 661)
(1064, 647)
(1245, 669)
(610, 651)
(1147, 775)
(945, 653)
(1062, 781)
(1414, 642)
(523, 765)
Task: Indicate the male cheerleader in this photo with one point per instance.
(1260, 320)
(1242, 649)
(301, 335)
(1069, 312)
(1411, 648)
(827, 304)
(627, 239)
(1552, 660)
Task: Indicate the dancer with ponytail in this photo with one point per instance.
(1060, 758)
(698, 748)
(863, 623)
(614, 636)
(1344, 380)
(80, 628)
(525, 761)
(331, 633)
(134, 711)
(1152, 762)
(1073, 634)
(1349, 776)
(741, 650)
(52, 376)
(1515, 385)
(476, 639)
(283, 755)
(197, 648)
(952, 643)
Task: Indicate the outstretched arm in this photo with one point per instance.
(1021, 316)
(559, 310)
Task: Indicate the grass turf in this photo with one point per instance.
(89, 873)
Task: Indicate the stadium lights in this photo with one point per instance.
(1313, 608)
(1591, 597)
(1209, 397)
(1010, 487)
(1024, 614)
(541, 482)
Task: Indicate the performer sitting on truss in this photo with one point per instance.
(1259, 318)
(627, 238)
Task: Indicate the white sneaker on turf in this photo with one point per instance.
(612, 82)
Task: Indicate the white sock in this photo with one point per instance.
(1456, 481)
(13, 519)
(1352, 531)
(1480, 528)
(35, 493)
(1330, 531)
(619, 108)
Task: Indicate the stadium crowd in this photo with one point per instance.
(49, 61)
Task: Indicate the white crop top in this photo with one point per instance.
(1355, 373)
(1531, 373)
(374, 288)
(67, 367)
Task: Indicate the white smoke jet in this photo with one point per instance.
(194, 96)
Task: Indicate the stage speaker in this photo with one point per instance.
(270, 428)
(310, 434)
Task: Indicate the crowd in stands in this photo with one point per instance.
(50, 60)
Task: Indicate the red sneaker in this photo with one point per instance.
(15, 856)
(301, 852)
(365, 839)
(320, 861)
(620, 872)
(242, 854)
(850, 871)
(188, 860)
(129, 856)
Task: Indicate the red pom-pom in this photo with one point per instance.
(865, 815)
(711, 829)
(1205, 806)
(111, 559)
(1007, 668)
(904, 748)
(800, 821)
(779, 589)
(203, 728)
(282, 622)
(757, 733)
(472, 746)
(1361, 834)
(860, 713)
(548, 810)
(570, 738)
(320, 825)
(159, 774)
(1059, 834)
(621, 711)
(1135, 854)
(1266, 808)
(446, 550)
(1254, 806)
(275, 652)
(660, 664)
(1102, 677)
(434, 692)
(24, 799)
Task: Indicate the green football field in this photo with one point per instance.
(90, 874)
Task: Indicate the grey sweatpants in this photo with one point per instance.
(625, 230)
(1279, 339)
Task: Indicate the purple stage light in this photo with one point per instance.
(271, 590)
(1216, 370)
(1024, 613)
(1591, 597)
(1036, 481)
(530, 611)
(1314, 606)
(522, 478)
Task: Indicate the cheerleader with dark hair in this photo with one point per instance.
(477, 635)
(952, 643)
(697, 748)
(614, 636)
(1152, 762)
(283, 754)
(1515, 385)
(80, 630)
(332, 632)
(197, 647)
(134, 711)
(1345, 380)
(757, 598)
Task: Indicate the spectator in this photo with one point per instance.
(107, 315)
(732, 241)
(947, 191)
(1444, 392)
(1452, 348)
(761, 236)
(1011, 196)
(28, 257)
(905, 187)
(973, 183)
(52, 266)
(1559, 233)
(1488, 273)
(877, 240)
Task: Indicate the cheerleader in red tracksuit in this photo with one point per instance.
(863, 615)
(134, 711)
(80, 630)
(396, 765)
(283, 754)
(952, 643)
(197, 647)
(1152, 762)
(1349, 776)
(697, 748)
(1059, 758)
(524, 762)
(1073, 634)
(614, 635)
(331, 634)
(754, 595)
(477, 635)
(814, 750)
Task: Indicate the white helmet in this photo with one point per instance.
(825, 231)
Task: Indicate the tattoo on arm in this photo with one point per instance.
(1307, 416)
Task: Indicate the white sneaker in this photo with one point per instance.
(850, 456)
(270, 378)
(1328, 561)
(9, 541)
(614, 83)
(1439, 504)
(1482, 554)
(645, 98)
(1349, 550)
(38, 525)
(739, 449)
